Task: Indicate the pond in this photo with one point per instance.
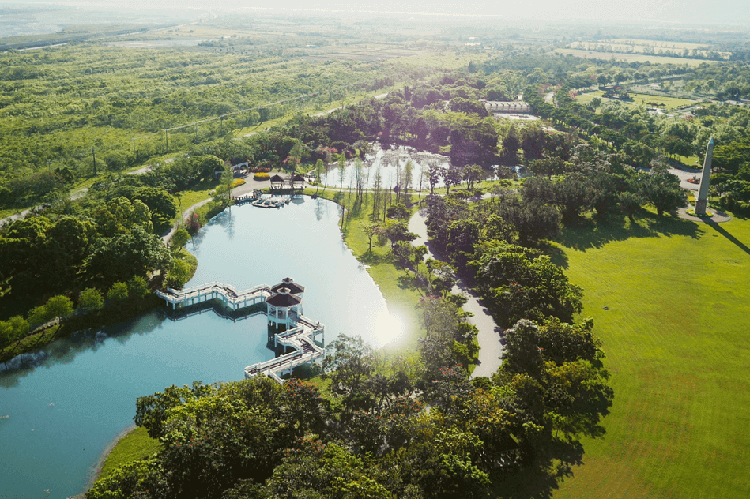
(390, 163)
(61, 406)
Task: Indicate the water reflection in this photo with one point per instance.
(65, 351)
(389, 163)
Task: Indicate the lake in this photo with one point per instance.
(61, 406)
(390, 162)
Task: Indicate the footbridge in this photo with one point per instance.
(232, 299)
(301, 340)
(297, 337)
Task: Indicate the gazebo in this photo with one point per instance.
(284, 306)
(277, 182)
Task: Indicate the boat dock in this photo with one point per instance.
(247, 198)
(271, 201)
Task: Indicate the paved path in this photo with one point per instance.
(490, 348)
(22, 214)
(684, 175)
(166, 237)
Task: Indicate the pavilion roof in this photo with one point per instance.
(288, 283)
(283, 299)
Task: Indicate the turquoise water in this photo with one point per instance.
(61, 406)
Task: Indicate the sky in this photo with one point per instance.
(692, 12)
(649, 12)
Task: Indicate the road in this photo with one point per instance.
(490, 348)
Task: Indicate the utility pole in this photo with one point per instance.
(93, 156)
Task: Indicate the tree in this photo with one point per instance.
(419, 254)
(348, 363)
(472, 173)
(573, 195)
(126, 255)
(397, 211)
(402, 254)
(90, 299)
(397, 231)
(451, 176)
(371, 229)
(315, 469)
(179, 273)
(13, 329)
(118, 293)
(179, 238)
(160, 202)
(434, 173)
(662, 189)
(137, 287)
(547, 166)
(517, 285)
(532, 220)
(59, 306)
(463, 234)
(342, 170)
(38, 316)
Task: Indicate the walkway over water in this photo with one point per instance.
(300, 338)
(231, 298)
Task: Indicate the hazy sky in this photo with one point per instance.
(673, 12)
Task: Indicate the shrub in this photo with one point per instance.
(261, 176)
(59, 306)
(13, 329)
(90, 299)
(238, 182)
(118, 293)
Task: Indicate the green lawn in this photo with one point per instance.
(133, 446)
(676, 337)
(670, 103)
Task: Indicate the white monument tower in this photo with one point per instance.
(702, 201)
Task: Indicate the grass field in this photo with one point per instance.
(676, 336)
(654, 59)
(638, 100)
(133, 446)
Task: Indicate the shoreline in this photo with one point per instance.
(96, 469)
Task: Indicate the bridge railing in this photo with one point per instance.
(225, 290)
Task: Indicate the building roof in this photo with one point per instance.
(283, 298)
(277, 178)
(288, 283)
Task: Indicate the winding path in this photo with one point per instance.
(490, 348)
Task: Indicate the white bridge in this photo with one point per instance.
(304, 349)
(298, 341)
(231, 298)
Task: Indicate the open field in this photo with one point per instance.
(654, 59)
(664, 44)
(676, 337)
(656, 47)
(638, 100)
